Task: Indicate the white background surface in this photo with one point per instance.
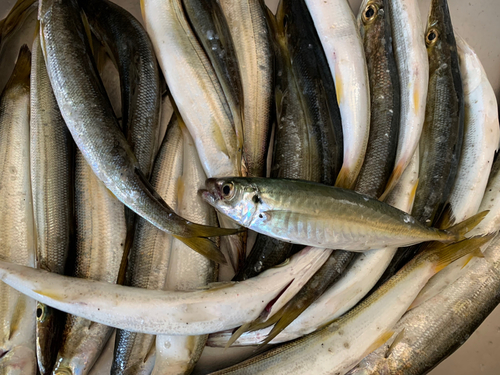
(478, 22)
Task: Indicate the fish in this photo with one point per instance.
(438, 327)
(187, 270)
(199, 99)
(150, 254)
(313, 214)
(249, 31)
(125, 37)
(375, 29)
(340, 345)
(212, 30)
(217, 307)
(413, 71)
(442, 134)
(83, 104)
(481, 137)
(17, 229)
(358, 279)
(341, 41)
(52, 180)
(100, 241)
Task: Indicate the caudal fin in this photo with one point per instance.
(461, 229)
(393, 180)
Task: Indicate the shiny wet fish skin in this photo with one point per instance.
(52, 178)
(83, 104)
(17, 230)
(313, 214)
(150, 254)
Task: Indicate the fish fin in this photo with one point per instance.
(475, 254)
(393, 180)
(19, 308)
(461, 229)
(86, 26)
(381, 340)
(344, 179)
(205, 247)
(22, 70)
(444, 255)
(236, 335)
(399, 337)
(52, 295)
(180, 187)
(447, 218)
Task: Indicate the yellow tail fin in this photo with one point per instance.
(205, 247)
(462, 228)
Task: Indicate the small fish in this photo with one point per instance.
(52, 181)
(17, 229)
(218, 307)
(413, 70)
(312, 214)
(375, 27)
(339, 35)
(339, 346)
(250, 34)
(83, 104)
(435, 329)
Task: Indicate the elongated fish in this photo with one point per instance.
(100, 232)
(187, 270)
(198, 96)
(250, 33)
(375, 28)
(150, 255)
(83, 105)
(134, 56)
(17, 232)
(52, 181)
(441, 325)
(353, 285)
(343, 48)
(413, 71)
(481, 138)
(343, 343)
(312, 214)
(219, 307)
(442, 135)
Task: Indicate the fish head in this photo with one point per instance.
(18, 360)
(439, 34)
(233, 197)
(49, 323)
(370, 11)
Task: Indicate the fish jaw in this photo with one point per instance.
(19, 360)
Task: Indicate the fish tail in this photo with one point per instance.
(441, 256)
(459, 230)
(256, 325)
(197, 230)
(236, 335)
(22, 70)
(205, 247)
(393, 180)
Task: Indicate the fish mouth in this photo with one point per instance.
(213, 192)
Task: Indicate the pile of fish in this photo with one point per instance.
(352, 158)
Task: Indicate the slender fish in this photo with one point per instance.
(221, 306)
(187, 270)
(150, 255)
(375, 27)
(17, 231)
(133, 54)
(250, 33)
(339, 35)
(52, 180)
(84, 105)
(441, 325)
(343, 343)
(413, 71)
(100, 232)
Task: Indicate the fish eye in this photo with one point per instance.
(228, 190)
(431, 37)
(40, 312)
(370, 13)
